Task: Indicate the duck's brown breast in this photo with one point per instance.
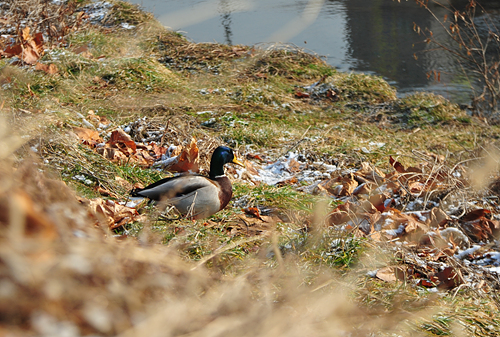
(225, 191)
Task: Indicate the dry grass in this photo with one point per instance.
(62, 272)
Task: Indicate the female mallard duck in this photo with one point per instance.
(196, 196)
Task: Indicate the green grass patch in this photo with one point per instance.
(361, 87)
(285, 197)
(421, 109)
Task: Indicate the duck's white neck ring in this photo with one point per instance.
(221, 176)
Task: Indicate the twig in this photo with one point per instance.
(297, 143)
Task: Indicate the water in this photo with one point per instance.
(370, 36)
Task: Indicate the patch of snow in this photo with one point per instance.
(463, 254)
(97, 11)
(83, 179)
(132, 202)
(419, 214)
(375, 144)
(126, 25)
(395, 232)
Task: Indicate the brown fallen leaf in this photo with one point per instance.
(29, 50)
(481, 229)
(50, 69)
(121, 140)
(113, 214)
(105, 192)
(378, 201)
(448, 278)
(187, 160)
(386, 274)
(255, 156)
(371, 173)
(290, 181)
(254, 211)
(293, 166)
(416, 187)
(340, 215)
(96, 119)
(301, 94)
(437, 218)
(349, 184)
(31, 218)
(364, 188)
(397, 165)
(475, 214)
(426, 283)
(87, 136)
(158, 150)
(114, 155)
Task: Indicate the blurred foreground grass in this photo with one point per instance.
(64, 273)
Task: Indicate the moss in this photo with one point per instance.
(429, 109)
(361, 87)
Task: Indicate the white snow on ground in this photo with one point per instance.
(280, 171)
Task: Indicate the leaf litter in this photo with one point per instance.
(400, 208)
(416, 212)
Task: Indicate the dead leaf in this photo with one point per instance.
(29, 55)
(50, 69)
(254, 211)
(448, 278)
(416, 187)
(425, 283)
(112, 154)
(340, 214)
(254, 156)
(475, 214)
(158, 150)
(438, 218)
(12, 51)
(187, 160)
(32, 219)
(290, 181)
(293, 166)
(378, 201)
(113, 214)
(349, 184)
(87, 136)
(121, 140)
(386, 274)
(371, 173)
(481, 229)
(124, 183)
(96, 119)
(364, 188)
(301, 94)
(397, 165)
(105, 192)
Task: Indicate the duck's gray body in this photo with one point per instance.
(194, 196)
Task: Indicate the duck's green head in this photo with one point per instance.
(222, 156)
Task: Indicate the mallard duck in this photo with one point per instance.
(196, 196)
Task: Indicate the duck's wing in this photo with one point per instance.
(199, 203)
(174, 187)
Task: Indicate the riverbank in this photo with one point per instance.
(354, 210)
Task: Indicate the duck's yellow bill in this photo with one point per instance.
(237, 162)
